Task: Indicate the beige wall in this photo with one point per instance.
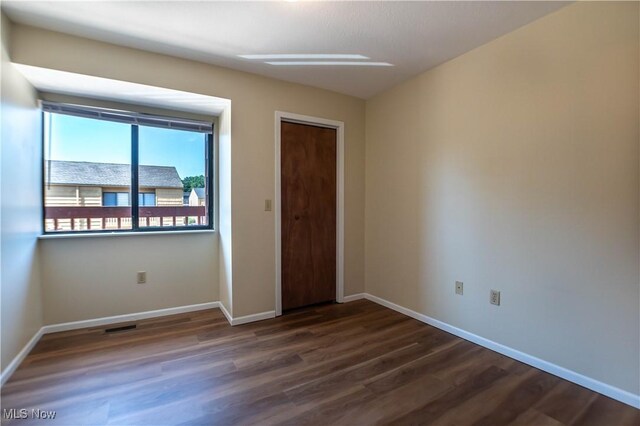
(515, 167)
(20, 210)
(95, 277)
(254, 101)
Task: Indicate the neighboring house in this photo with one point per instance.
(85, 184)
(74, 183)
(195, 197)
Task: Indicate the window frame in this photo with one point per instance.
(147, 120)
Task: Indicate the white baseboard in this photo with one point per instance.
(226, 313)
(75, 325)
(247, 318)
(352, 297)
(564, 373)
(17, 360)
(252, 318)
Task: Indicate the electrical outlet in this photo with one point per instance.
(459, 287)
(142, 277)
(494, 297)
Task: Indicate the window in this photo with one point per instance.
(107, 170)
(115, 199)
(147, 199)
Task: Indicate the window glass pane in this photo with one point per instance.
(172, 166)
(109, 199)
(87, 174)
(123, 199)
(147, 199)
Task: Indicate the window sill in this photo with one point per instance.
(123, 234)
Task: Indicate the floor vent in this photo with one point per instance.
(123, 328)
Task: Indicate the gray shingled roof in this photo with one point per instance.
(107, 174)
(200, 192)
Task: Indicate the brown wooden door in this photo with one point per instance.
(308, 179)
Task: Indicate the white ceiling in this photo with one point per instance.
(413, 36)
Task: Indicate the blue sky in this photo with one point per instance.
(85, 139)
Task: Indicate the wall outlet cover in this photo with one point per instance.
(494, 297)
(459, 287)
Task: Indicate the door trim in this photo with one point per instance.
(320, 122)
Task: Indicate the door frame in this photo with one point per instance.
(319, 122)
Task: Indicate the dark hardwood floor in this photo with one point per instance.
(353, 364)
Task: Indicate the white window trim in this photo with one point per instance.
(123, 234)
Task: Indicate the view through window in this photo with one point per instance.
(88, 181)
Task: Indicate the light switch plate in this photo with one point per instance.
(267, 205)
(459, 288)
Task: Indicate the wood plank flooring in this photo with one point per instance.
(353, 364)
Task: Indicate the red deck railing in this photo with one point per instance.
(145, 213)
